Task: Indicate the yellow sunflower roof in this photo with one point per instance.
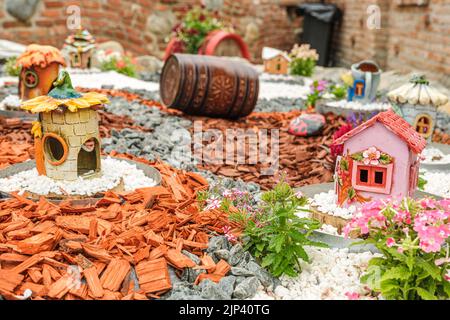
(64, 95)
(48, 103)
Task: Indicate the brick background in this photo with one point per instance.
(411, 37)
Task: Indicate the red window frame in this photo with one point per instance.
(371, 170)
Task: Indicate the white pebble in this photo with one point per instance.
(113, 171)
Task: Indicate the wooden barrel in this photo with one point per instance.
(209, 86)
(223, 43)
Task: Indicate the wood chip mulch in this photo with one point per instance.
(146, 229)
(302, 160)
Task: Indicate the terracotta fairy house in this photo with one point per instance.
(381, 159)
(39, 68)
(275, 61)
(79, 48)
(67, 137)
(418, 102)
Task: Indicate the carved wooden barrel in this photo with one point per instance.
(209, 86)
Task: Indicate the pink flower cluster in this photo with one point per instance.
(233, 194)
(431, 223)
(369, 216)
(227, 232)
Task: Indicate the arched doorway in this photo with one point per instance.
(88, 162)
(424, 125)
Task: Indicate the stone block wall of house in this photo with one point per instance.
(411, 36)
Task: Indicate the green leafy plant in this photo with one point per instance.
(194, 28)
(269, 228)
(123, 65)
(421, 182)
(413, 238)
(274, 234)
(340, 92)
(303, 60)
(11, 68)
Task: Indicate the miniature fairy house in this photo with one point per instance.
(275, 61)
(418, 102)
(40, 67)
(381, 159)
(67, 137)
(79, 48)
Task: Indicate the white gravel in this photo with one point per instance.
(331, 274)
(438, 182)
(435, 156)
(10, 102)
(111, 78)
(113, 172)
(326, 202)
(356, 105)
(271, 90)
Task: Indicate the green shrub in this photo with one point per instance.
(10, 67)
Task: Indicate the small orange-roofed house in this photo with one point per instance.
(40, 67)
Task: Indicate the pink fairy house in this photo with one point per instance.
(380, 160)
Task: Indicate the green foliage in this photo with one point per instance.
(406, 276)
(195, 27)
(302, 67)
(123, 65)
(405, 271)
(421, 182)
(340, 92)
(275, 235)
(10, 67)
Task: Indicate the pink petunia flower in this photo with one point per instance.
(390, 242)
(371, 156)
(353, 295)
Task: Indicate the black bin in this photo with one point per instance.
(320, 21)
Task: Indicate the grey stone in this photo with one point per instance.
(22, 10)
(216, 243)
(222, 254)
(182, 296)
(191, 256)
(226, 284)
(149, 64)
(237, 271)
(239, 279)
(161, 22)
(183, 291)
(213, 5)
(263, 276)
(173, 277)
(247, 288)
(236, 254)
(190, 275)
(244, 260)
(212, 291)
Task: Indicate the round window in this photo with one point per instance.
(31, 79)
(56, 149)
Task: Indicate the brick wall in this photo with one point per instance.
(411, 37)
(127, 22)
